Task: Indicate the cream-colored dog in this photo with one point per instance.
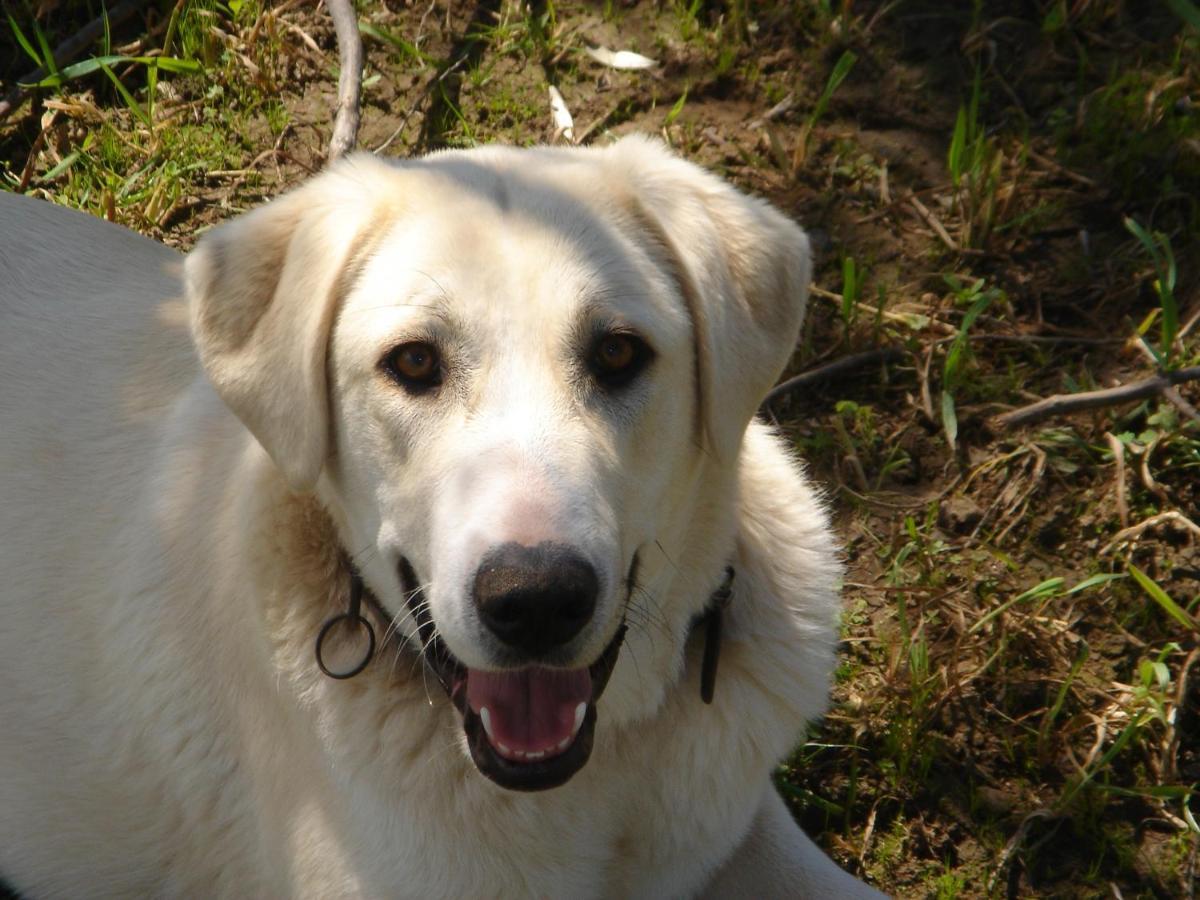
(481, 421)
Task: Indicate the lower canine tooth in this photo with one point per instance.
(564, 744)
(502, 748)
(580, 712)
(487, 722)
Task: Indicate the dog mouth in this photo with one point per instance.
(527, 729)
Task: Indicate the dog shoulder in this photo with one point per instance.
(784, 615)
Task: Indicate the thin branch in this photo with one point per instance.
(833, 369)
(932, 221)
(67, 51)
(1134, 532)
(350, 61)
(1066, 403)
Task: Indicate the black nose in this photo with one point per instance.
(535, 598)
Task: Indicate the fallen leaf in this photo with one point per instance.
(620, 59)
(564, 124)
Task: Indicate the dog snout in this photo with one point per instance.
(535, 599)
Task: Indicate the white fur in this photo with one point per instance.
(181, 469)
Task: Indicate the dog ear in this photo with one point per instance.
(743, 269)
(262, 293)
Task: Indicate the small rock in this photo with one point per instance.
(959, 514)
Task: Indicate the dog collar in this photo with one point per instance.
(711, 620)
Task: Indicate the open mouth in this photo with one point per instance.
(528, 729)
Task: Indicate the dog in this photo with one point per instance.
(391, 543)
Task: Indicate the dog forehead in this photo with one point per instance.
(514, 249)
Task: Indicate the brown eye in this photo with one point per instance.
(618, 357)
(415, 365)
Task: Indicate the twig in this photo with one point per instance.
(350, 57)
(1171, 394)
(932, 221)
(68, 50)
(1170, 764)
(1066, 403)
(1018, 838)
(868, 831)
(833, 369)
(1133, 532)
(420, 98)
(1118, 452)
(774, 112)
(1148, 481)
(1061, 169)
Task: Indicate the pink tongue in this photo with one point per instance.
(532, 709)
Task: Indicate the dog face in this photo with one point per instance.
(505, 372)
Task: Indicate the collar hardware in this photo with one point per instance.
(711, 620)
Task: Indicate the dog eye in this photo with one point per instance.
(618, 357)
(415, 365)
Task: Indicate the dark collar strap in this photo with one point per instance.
(711, 618)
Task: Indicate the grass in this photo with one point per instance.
(1008, 194)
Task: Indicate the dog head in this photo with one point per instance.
(507, 374)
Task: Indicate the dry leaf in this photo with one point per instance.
(620, 59)
(564, 124)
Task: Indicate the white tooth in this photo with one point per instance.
(487, 722)
(564, 743)
(535, 754)
(502, 748)
(580, 712)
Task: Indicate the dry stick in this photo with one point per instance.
(1173, 396)
(350, 59)
(932, 221)
(67, 51)
(1169, 764)
(833, 369)
(1065, 403)
(1118, 452)
(1134, 532)
(425, 91)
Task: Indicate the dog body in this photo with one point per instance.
(413, 371)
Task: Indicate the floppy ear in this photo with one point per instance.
(262, 292)
(743, 269)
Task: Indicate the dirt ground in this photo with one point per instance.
(1017, 709)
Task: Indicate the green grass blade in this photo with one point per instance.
(106, 40)
(1159, 596)
(954, 356)
(24, 42)
(849, 289)
(949, 418)
(677, 108)
(1187, 11)
(840, 70)
(405, 47)
(134, 106)
(957, 143)
(1060, 698)
(1093, 581)
(66, 163)
(1043, 589)
(48, 58)
(1159, 249)
(87, 67)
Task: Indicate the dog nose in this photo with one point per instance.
(535, 598)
